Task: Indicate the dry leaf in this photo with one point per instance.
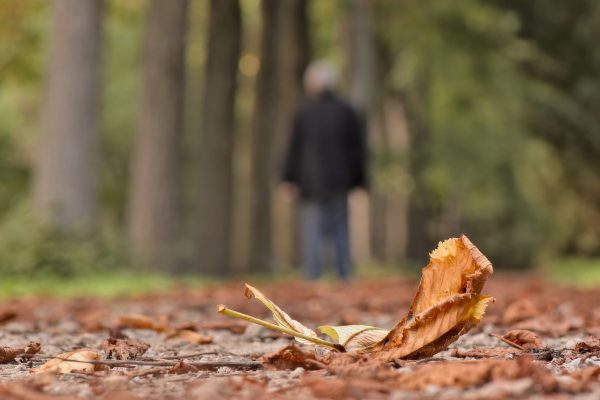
(524, 338)
(24, 391)
(520, 310)
(7, 314)
(136, 321)
(354, 337)
(462, 374)
(124, 349)
(292, 357)
(336, 388)
(280, 316)
(590, 345)
(62, 364)
(448, 304)
(235, 327)
(8, 354)
(190, 336)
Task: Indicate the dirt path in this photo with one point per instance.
(478, 366)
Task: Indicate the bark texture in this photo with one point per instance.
(294, 55)
(263, 133)
(215, 174)
(362, 70)
(66, 172)
(155, 171)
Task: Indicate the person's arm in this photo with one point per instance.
(358, 150)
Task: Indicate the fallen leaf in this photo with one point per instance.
(76, 360)
(583, 379)
(136, 321)
(469, 374)
(8, 354)
(292, 357)
(336, 388)
(234, 327)
(116, 332)
(190, 336)
(280, 316)
(7, 314)
(23, 391)
(550, 325)
(124, 349)
(520, 310)
(448, 304)
(527, 339)
(589, 345)
(354, 337)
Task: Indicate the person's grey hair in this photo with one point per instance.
(320, 76)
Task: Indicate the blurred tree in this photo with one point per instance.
(264, 126)
(565, 102)
(214, 200)
(153, 219)
(362, 88)
(66, 170)
(456, 67)
(294, 54)
(362, 55)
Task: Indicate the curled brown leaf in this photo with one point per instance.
(8, 354)
(124, 349)
(76, 360)
(524, 338)
(292, 357)
(190, 336)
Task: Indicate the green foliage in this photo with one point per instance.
(123, 28)
(464, 69)
(33, 250)
(502, 96)
(103, 284)
(580, 271)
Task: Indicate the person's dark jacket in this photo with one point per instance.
(326, 155)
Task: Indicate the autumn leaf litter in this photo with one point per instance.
(554, 333)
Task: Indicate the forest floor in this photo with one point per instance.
(196, 353)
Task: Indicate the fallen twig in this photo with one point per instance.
(508, 342)
(192, 355)
(158, 363)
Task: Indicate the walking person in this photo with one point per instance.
(325, 161)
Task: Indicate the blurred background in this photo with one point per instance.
(148, 135)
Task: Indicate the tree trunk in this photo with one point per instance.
(362, 90)
(215, 174)
(389, 207)
(420, 239)
(294, 54)
(263, 134)
(362, 55)
(66, 172)
(155, 170)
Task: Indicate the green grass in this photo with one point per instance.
(101, 285)
(583, 272)
(572, 271)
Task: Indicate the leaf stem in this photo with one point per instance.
(508, 342)
(236, 314)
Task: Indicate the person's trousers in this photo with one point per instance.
(321, 220)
